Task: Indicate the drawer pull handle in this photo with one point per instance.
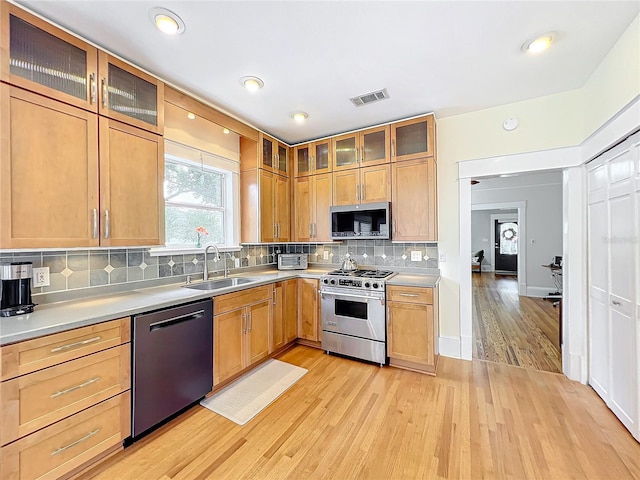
(73, 444)
(77, 344)
(77, 387)
(616, 303)
(408, 294)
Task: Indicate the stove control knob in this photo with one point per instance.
(367, 285)
(375, 285)
(325, 281)
(333, 282)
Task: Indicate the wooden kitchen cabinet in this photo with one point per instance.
(274, 207)
(285, 301)
(266, 153)
(129, 95)
(361, 149)
(242, 324)
(412, 328)
(309, 327)
(131, 185)
(64, 400)
(313, 158)
(413, 139)
(312, 203)
(414, 200)
(41, 58)
(362, 185)
(48, 172)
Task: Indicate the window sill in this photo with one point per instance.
(158, 252)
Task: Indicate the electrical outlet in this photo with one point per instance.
(442, 257)
(237, 263)
(325, 255)
(416, 256)
(41, 277)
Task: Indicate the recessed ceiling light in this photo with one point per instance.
(539, 43)
(191, 116)
(225, 131)
(251, 83)
(299, 116)
(166, 21)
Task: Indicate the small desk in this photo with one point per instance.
(556, 274)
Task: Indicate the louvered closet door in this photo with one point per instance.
(598, 232)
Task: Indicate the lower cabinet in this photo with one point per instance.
(64, 400)
(412, 328)
(309, 327)
(285, 302)
(241, 331)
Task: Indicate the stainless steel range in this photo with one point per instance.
(353, 313)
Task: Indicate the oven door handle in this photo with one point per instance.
(351, 295)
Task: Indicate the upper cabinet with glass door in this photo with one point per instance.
(364, 148)
(413, 139)
(312, 158)
(130, 95)
(274, 156)
(43, 59)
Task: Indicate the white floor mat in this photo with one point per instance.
(250, 394)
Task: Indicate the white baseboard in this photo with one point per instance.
(449, 347)
(539, 292)
(466, 348)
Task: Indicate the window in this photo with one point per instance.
(199, 192)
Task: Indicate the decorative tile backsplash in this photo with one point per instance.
(79, 269)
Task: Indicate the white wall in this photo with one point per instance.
(481, 233)
(551, 122)
(543, 194)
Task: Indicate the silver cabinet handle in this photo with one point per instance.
(250, 314)
(107, 224)
(278, 230)
(393, 148)
(77, 387)
(95, 223)
(408, 294)
(244, 323)
(362, 191)
(393, 226)
(311, 230)
(273, 295)
(76, 344)
(73, 444)
(104, 92)
(616, 303)
(275, 233)
(357, 192)
(315, 230)
(92, 88)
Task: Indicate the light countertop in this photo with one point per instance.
(61, 316)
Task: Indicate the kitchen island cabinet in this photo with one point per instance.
(412, 328)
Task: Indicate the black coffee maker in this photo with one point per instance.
(15, 288)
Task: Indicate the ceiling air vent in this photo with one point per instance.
(369, 97)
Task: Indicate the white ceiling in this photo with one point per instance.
(447, 57)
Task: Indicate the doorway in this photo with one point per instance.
(505, 248)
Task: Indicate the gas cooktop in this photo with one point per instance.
(362, 279)
(362, 273)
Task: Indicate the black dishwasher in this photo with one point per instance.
(172, 362)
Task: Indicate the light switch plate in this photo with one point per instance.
(416, 256)
(325, 255)
(442, 257)
(40, 277)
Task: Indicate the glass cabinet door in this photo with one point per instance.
(374, 144)
(345, 152)
(43, 59)
(301, 158)
(268, 153)
(320, 157)
(129, 95)
(283, 159)
(413, 139)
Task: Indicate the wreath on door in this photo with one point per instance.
(509, 234)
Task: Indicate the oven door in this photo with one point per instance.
(354, 313)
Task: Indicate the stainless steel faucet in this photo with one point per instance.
(205, 275)
(226, 268)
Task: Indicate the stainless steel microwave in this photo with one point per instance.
(368, 221)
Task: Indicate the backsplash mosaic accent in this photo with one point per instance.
(80, 269)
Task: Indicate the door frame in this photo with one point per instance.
(520, 216)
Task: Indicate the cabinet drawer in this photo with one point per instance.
(398, 293)
(232, 301)
(36, 400)
(31, 355)
(68, 444)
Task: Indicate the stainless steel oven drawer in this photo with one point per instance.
(364, 349)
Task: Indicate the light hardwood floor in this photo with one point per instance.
(351, 420)
(513, 330)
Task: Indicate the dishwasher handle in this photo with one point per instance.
(175, 320)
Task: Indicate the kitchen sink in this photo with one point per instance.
(220, 283)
